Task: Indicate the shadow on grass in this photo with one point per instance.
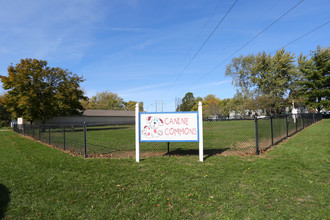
(207, 152)
(4, 200)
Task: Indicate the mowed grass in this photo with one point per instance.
(236, 136)
(291, 181)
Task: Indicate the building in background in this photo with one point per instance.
(91, 116)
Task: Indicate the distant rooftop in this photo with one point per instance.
(107, 113)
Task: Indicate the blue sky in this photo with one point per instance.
(139, 48)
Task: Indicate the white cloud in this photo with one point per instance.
(125, 29)
(144, 88)
(212, 84)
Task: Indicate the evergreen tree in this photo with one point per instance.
(315, 81)
(188, 102)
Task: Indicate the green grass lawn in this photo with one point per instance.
(230, 136)
(234, 137)
(5, 128)
(291, 181)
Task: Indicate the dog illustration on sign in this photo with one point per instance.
(152, 129)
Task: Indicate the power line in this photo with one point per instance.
(207, 39)
(249, 41)
(194, 41)
(304, 35)
(199, 34)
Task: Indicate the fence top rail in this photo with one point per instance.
(110, 124)
(89, 124)
(75, 125)
(50, 125)
(229, 119)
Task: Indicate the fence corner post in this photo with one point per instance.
(272, 129)
(85, 139)
(303, 121)
(296, 116)
(201, 144)
(256, 134)
(287, 125)
(137, 133)
(49, 135)
(64, 137)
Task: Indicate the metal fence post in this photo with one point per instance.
(287, 125)
(303, 121)
(49, 135)
(271, 129)
(64, 137)
(296, 116)
(256, 134)
(85, 139)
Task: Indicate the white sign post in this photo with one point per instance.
(137, 133)
(169, 127)
(200, 116)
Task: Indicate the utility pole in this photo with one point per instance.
(160, 102)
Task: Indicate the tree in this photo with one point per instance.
(265, 102)
(197, 100)
(107, 101)
(110, 101)
(188, 102)
(264, 75)
(5, 116)
(233, 104)
(141, 109)
(38, 92)
(211, 105)
(315, 81)
(275, 77)
(225, 106)
(130, 106)
(240, 70)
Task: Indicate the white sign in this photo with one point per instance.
(169, 127)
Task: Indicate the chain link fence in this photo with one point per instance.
(221, 137)
(67, 137)
(272, 130)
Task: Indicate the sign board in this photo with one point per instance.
(169, 127)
